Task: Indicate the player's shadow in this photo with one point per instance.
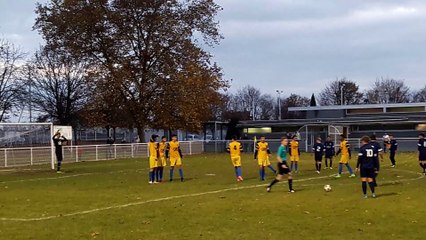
(387, 194)
(390, 183)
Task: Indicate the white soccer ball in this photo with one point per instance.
(327, 188)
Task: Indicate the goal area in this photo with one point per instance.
(26, 144)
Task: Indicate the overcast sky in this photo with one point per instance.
(295, 45)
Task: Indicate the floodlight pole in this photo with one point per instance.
(279, 103)
(341, 93)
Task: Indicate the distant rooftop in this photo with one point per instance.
(359, 106)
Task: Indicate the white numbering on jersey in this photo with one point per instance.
(370, 152)
(318, 149)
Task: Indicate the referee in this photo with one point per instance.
(282, 167)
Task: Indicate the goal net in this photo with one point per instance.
(26, 144)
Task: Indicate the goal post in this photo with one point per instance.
(26, 144)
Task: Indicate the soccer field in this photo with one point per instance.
(113, 200)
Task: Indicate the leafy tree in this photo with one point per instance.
(149, 53)
(313, 101)
(10, 86)
(331, 94)
(388, 90)
(294, 100)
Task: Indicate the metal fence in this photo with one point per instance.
(11, 157)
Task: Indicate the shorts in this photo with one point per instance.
(422, 156)
(162, 162)
(294, 158)
(329, 155)
(281, 170)
(175, 162)
(367, 173)
(263, 162)
(236, 161)
(153, 163)
(318, 158)
(344, 159)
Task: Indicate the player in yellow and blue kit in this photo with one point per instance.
(153, 158)
(234, 149)
(294, 154)
(161, 163)
(346, 155)
(174, 154)
(261, 154)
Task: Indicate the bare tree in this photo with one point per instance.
(388, 90)
(247, 100)
(420, 96)
(266, 107)
(58, 86)
(10, 86)
(332, 94)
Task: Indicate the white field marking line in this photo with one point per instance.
(171, 198)
(149, 201)
(68, 176)
(22, 169)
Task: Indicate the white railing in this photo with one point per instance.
(12, 157)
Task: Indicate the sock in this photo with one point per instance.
(319, 167)
(273, 183)
(364, 187)
(371, 184)
(59, 165)
(240, 172)
(326, 162)
(349, 169)
(316, 166)
(272, 169)
(296, 166)
(340, 168)
(236, 171)
(181, 173)
(171, 173)
(291, 166)
(151, 176)
(161, 170)
(157, 174)
(331, 162)
(260, 173)
(290, 184)
(423, 165)
(263, 173)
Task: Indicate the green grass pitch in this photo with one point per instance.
(113, 200)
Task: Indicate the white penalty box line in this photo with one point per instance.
(169, 198)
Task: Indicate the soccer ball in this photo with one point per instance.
(327, 188)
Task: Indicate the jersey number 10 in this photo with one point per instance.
(370, 152)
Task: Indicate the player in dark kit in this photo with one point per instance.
(378, 153)
(421, 147)
(283, 167)
(368, 164)
(393, 146)
(318, 149)
(58, 141)
(329, 152)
